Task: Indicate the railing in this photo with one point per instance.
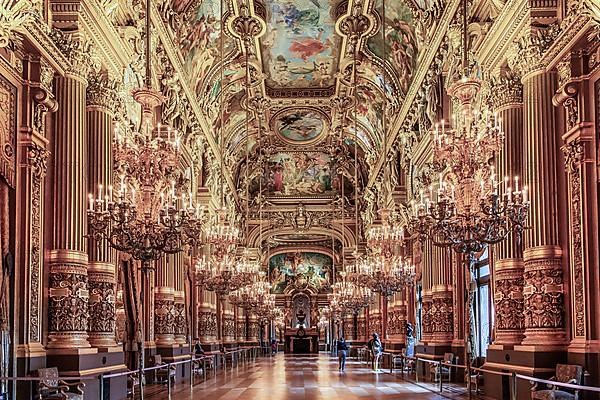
(245, 354)
(512, 376)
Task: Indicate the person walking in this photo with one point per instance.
(342, 349)
(376, 348)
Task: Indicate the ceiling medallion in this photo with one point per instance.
(300, 126)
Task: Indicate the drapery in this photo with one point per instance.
(131, 304)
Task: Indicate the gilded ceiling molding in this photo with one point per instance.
(78, 49)
(419, 75)
(13, 15)
(175, 56)
(356, 25)
(526, 55)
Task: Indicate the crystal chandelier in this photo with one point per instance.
(385, 239)
(383, 275)
(249, 297)
(464, 209)
(350, 296)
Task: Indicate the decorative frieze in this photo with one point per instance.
(508, 301)
(207, 324)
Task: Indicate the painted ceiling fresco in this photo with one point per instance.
(300, 48)
(300, 125)
(300, 270)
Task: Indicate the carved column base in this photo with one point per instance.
(164, 316)
(442, 315)
(228, 326)
(361, 328)
(426, 317)
(508, 301)
(101, 333)
(253, 329)
(544, 297)
(180, 318)
(68, 300)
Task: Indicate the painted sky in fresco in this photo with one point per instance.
(300, 47)
(300, 125)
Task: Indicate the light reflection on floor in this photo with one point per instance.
(301, 377)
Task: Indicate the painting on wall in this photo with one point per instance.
(300, 46)
(400, 41)
(302, 270)
(200, 40)
(299, 173)
(300, 126)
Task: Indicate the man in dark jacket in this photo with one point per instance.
(198, 350)
(376, 349)
(342, 349)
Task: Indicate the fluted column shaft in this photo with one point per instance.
(508, 265)
(68, 286)
(101, 104)
(543, 291)
(227, 322)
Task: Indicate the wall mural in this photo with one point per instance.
(300, 46)
(300, 173)
(400, 41)
(301, 269)
(300, 125)
(370, 108)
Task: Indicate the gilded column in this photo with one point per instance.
(102, 100)
(543, 287)
(181, 326)
(349, 327)
(164, 303)
(68, 278)
(207, 317)
(361, 326)
(253, 328)
(241, 325)
(374, 321)
(508, 264)
(228, 322)
(427, 299)
(442, 309)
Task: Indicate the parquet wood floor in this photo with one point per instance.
(292, 377)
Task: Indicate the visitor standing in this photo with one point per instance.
(376, 349)
(342, 349)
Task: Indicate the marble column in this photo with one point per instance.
(102, 101)
(68, 292)
(543, 290)
(508, 264)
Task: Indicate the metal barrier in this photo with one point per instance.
(248, 354)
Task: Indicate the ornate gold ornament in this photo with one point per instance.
(14, 14)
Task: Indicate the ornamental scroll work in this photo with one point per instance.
(207, 323)
(508, 299)
(8, 128)
(102, 306)
(543, 295)
(164, 317)
(574, 155)
(68, 308)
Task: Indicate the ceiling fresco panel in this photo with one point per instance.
(300, 48)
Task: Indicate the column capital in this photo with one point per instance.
(77, 48)
(526, 53)
(102, 93)
(507, 90)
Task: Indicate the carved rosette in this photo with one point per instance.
(574, 156)
(543, 296)
(68, 296)
(101, 305)
(508, 301)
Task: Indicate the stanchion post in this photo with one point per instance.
(169, 380)
(513, 386)
(441, 376)
(101, 388)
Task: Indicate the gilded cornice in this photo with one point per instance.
(571, 32)
(38, 34)
(419, 76)
(78, 51)
(526, 55)
(505, 29)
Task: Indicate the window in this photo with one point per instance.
(483, 305)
